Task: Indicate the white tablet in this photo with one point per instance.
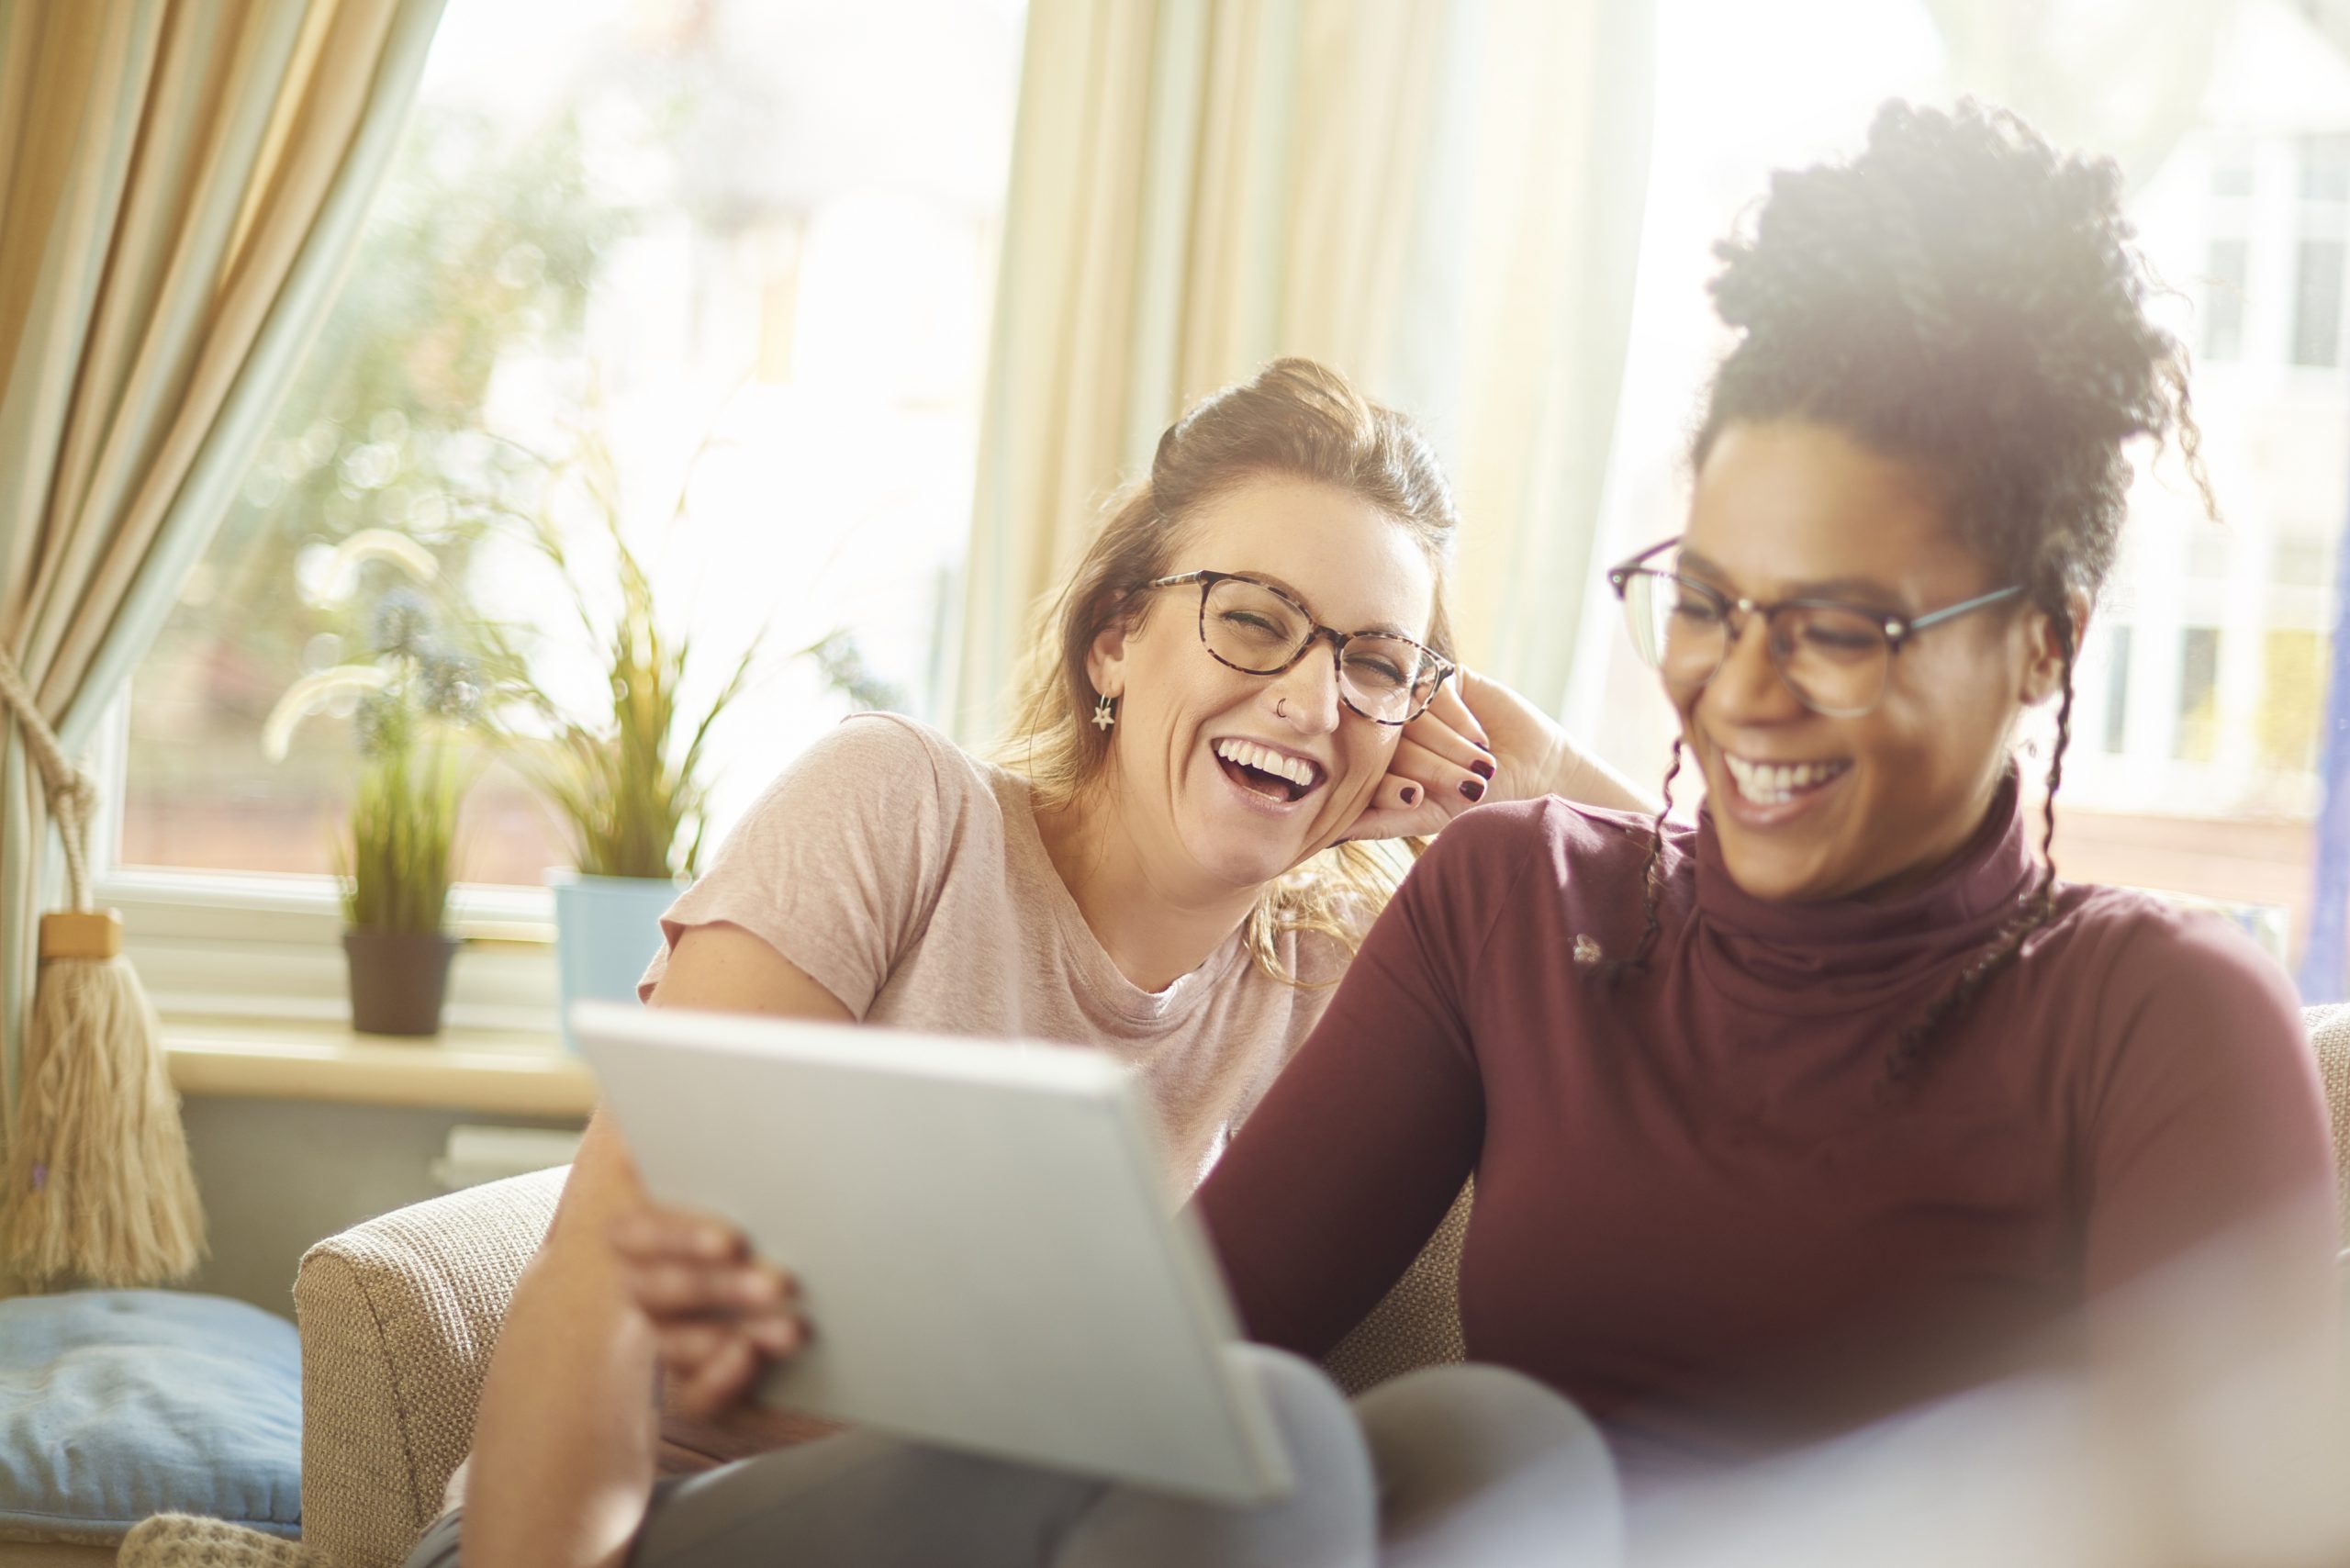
(987, 1257)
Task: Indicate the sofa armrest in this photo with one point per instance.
(2329, 1029)
(399, 1316)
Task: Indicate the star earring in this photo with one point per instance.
(1104, 714)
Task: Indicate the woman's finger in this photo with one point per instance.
(721, 1383)
(1400, 808)
(670, 1288)
(778, 1335)
(1451, 735)
(689, 1344)
(1451, 787)
(1396, 793)
(1455, 706)
(657, 1233)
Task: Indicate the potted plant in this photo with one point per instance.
(406, 700)
(627, 781)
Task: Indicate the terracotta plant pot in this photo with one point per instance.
(398, 980)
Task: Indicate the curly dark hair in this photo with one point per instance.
(1962, 298)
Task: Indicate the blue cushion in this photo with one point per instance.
(116, 1405)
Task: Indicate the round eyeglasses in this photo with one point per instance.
(1256, 629)
(1835, 657)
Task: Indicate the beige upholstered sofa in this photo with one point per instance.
(399, 1316)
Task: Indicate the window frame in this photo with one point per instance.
(255, 944)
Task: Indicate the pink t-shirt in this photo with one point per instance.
(906, 877)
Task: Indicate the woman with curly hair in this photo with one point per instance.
(1838, 1100)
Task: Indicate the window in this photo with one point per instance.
(698, 227)
(2197, 737)
(2210, 553)
(2298, 565)
(2323, 252)
(2203, 679)
(743, 250)
(2292, 698)
(2117, 691)
(2325, 170)
(2317, 302)
(2223, 313)
(2229, 270)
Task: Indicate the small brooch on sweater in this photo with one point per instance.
(1588, 951)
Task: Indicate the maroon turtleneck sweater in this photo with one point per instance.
(1698, 1215)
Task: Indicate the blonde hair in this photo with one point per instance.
(1295, 418)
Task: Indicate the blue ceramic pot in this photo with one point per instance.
(606, 930)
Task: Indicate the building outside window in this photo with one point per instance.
(2323, 254)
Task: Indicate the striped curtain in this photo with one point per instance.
(1440, 198)
(181, 183)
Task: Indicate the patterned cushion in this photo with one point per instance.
(116, 1405)
(181, 1541)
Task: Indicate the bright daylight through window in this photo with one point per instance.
(695, 239)
(728, 264)
(2195, 761)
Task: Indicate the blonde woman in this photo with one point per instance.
(1250, 668)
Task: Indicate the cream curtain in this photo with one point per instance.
(1441, 197)
(181, 183)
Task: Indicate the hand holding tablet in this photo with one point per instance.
(720, 1313)
(977, 1229)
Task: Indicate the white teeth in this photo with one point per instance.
(1768, 784)
(1248, 753)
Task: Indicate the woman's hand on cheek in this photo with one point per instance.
(1537, 755)
(1441, 766)
(720, 1314)
(1480, 741)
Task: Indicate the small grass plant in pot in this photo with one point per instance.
(628, 779)
(408, 701)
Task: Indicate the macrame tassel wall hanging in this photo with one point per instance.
(98, 1186)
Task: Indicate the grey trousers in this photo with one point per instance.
(1450, 1467)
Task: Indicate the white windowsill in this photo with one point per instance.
(492, 1071)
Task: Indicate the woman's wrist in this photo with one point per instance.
(1572, 775)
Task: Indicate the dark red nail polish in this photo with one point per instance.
(1481, 768)
(1411, 795)
(1474, 788)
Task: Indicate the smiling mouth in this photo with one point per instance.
(1776, 784)
(1263, 771)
